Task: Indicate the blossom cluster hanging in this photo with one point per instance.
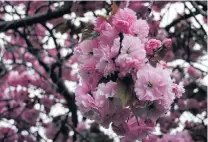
(123, 84)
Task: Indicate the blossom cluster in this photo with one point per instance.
(119, 85)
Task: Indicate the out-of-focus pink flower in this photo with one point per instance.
(194, 73)
(10, 134)
(50, 131)
(183, 136)
(167, 42)
(30, 116)
(53, 52)
(177, 76)
(169, 56)
(48, 60)
(161, 33)
(48, 103)
(188, 104)
(81, 126)
(26, 138)
(195, 54)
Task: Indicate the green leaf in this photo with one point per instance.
(124, 92)
(63, 28)
(89, 33)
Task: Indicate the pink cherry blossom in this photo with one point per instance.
(152, 83)
(119, 53)
(108, 89)
(106, 65)
(110, 108)
(101, 24)
(132, 47)
(178, 90)
(139, 129)
(123, 19)
(152, 45)
(107, 36)
(86, 103)
(84, 51)
(132, 54)
(140, 27)
(88, 73)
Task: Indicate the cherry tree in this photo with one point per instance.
(69, 69)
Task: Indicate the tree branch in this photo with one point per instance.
(184, 17)
(204, 13)
(38, 18)
(61, 87)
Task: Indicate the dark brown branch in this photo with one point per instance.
(38, 18)
(204, 13)
(194, 16)
(184, 17)
(61, 87)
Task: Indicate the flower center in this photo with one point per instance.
(150, 85)
(91, 53)
(128, 51)
(106, 61)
